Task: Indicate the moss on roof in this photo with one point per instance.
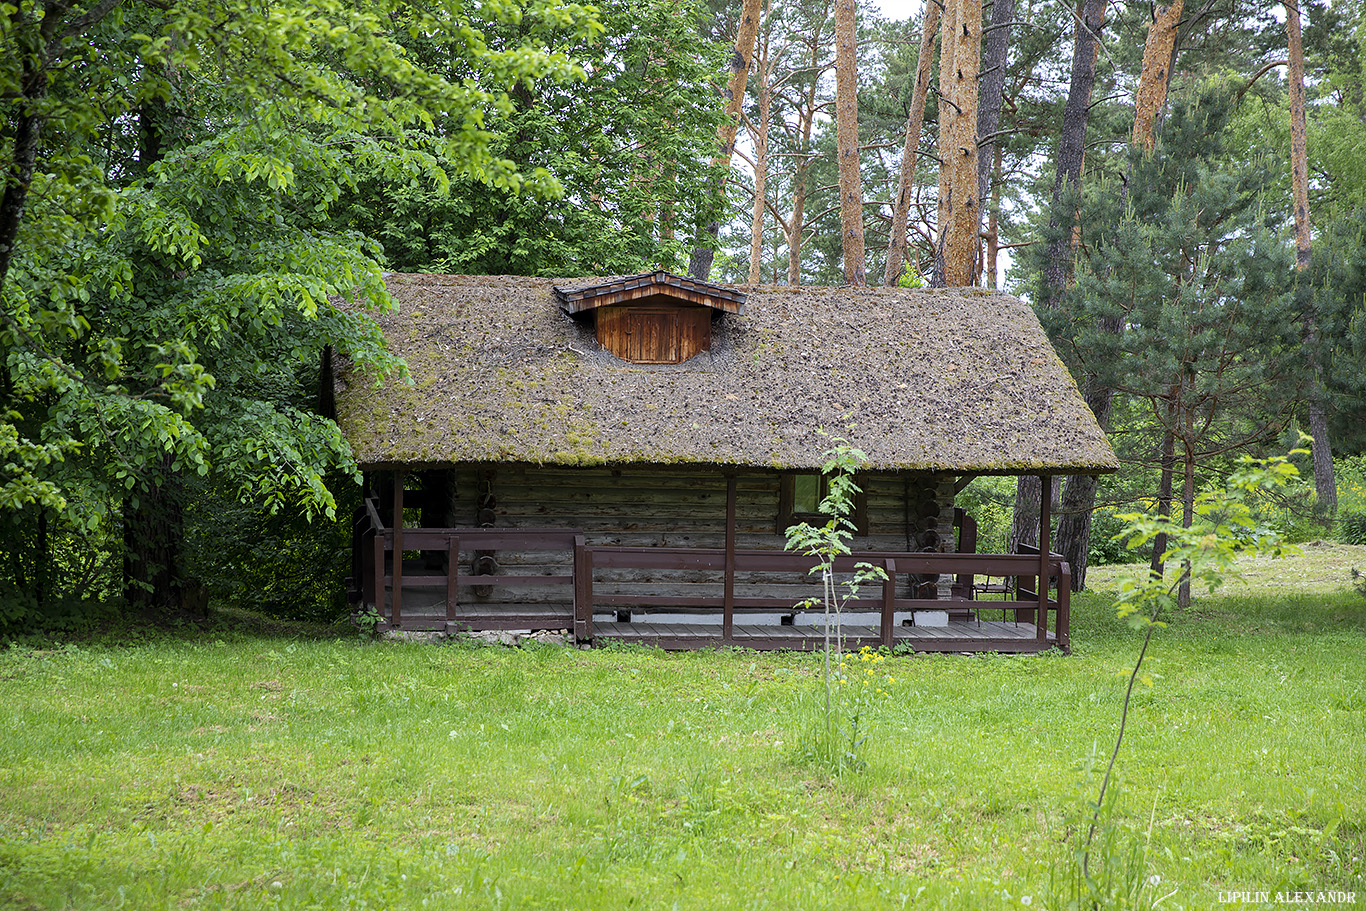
(955, 381)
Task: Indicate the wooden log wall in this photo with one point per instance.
(664, 507)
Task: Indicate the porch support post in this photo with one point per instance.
(375, 541)
(397, 618)
(1045, 546)
(374, 560)
(728, 602)
(583, 590)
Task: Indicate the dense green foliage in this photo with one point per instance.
(630, 145)
(1182, 300)
(188, 247)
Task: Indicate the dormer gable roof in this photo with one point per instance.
(651, 286)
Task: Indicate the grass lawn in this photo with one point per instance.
(242, 769)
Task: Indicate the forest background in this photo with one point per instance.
(200, 197)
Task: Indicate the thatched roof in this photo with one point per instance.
(954, 381)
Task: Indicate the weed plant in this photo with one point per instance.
(837, 742)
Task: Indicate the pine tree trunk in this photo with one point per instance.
(1157, 566)
(794, 235)
(1325, 483)
(1028, 501)
(846, 130)
(1074, 525)
(801, 168)
(1299, 153)
(1079, 500)
(1183, 595)
(901, 210)
(699, 264)
(1072, 147)
(756, 236)
(996, 44)
(1159, 53)
(959, 204)
(993, 219)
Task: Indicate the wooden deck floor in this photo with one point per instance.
(958, 636)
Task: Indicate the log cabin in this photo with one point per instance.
(620, 458)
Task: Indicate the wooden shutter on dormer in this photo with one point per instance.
(654, 333)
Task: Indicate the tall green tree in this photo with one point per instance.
(167, 257)
(1182, 298)
(630, 145)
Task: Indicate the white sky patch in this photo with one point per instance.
(899, 9)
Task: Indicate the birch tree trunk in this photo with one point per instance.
(699, 264)
(901, 208)
(846, 130)
(1325, 483)
(959, 205)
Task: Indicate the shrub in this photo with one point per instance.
(279, 563)
(1106, 545)
(1352, 527)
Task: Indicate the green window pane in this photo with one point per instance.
(806, 493)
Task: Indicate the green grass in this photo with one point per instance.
(262, 770)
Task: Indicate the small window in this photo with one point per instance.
(807, 491)
(799, 500)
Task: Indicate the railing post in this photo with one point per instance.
(1045, 546)
(888, 602)
(583, 590)
(398, 550)
(452, 581)
(1064, 626)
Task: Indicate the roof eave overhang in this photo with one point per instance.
(647, 285)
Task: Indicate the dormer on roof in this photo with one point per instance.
(653, 318)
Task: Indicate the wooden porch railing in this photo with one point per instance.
(381, 573)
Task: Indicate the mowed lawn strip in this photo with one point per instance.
(245, 771)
